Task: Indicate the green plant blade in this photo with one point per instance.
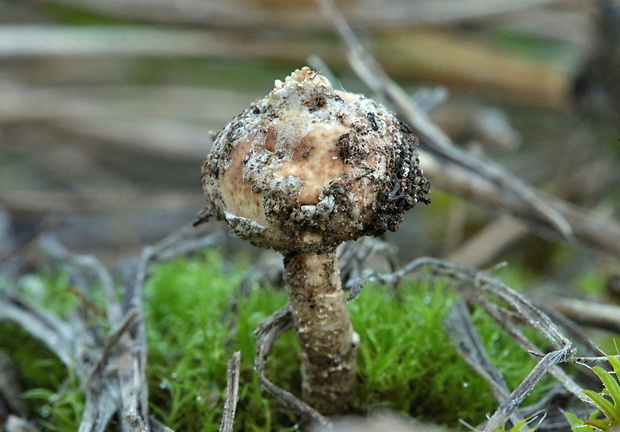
(520, 425)
(597, 425)
(584, 428)
(610, 383)
(573, 420)
(605, 405)
(615, 363)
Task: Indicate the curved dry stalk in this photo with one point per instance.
(232, 393)
(439, 142)
(464, 174)
(111, 371)
(504, 411)
(476, 285)
(266, 334)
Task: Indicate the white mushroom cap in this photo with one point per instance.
(308, 167)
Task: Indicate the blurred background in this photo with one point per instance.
(106, 107)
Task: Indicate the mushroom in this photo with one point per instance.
(301, 171)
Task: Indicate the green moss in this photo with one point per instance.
(192, 333)
(407, 363)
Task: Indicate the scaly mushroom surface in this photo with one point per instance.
(301, 171)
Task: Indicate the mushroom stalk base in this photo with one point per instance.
(328, 342)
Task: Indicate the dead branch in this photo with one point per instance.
(232, 393)
(466, 175)
(604, 316)
(465, 336)
(476, 285)
(266, 334)
(111, 372)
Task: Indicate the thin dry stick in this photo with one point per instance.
(511, 404)
(604, 316)
(266, 334)
(468, 343)
(232, 393)
(91, 264)
(134, 291)
(534, 316)
(464, 335)
(111, 343)
(478, 284)
(503, 318)
(115, 381)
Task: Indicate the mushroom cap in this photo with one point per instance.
(308, 167)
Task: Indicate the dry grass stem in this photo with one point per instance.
(245, 15)
(599, 315)
(111, 371)
(468, 176)
(266, 334)
(438, 143)
(463, 333)
(232, 393)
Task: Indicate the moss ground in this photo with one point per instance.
(407, 362)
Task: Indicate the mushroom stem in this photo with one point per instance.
(328, 342)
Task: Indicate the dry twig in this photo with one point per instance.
(475, 285)
(111, 371)
(250, 15)
(266, 334)
(603, 316)
(463, 333)
(466, 175)
(232, 393)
